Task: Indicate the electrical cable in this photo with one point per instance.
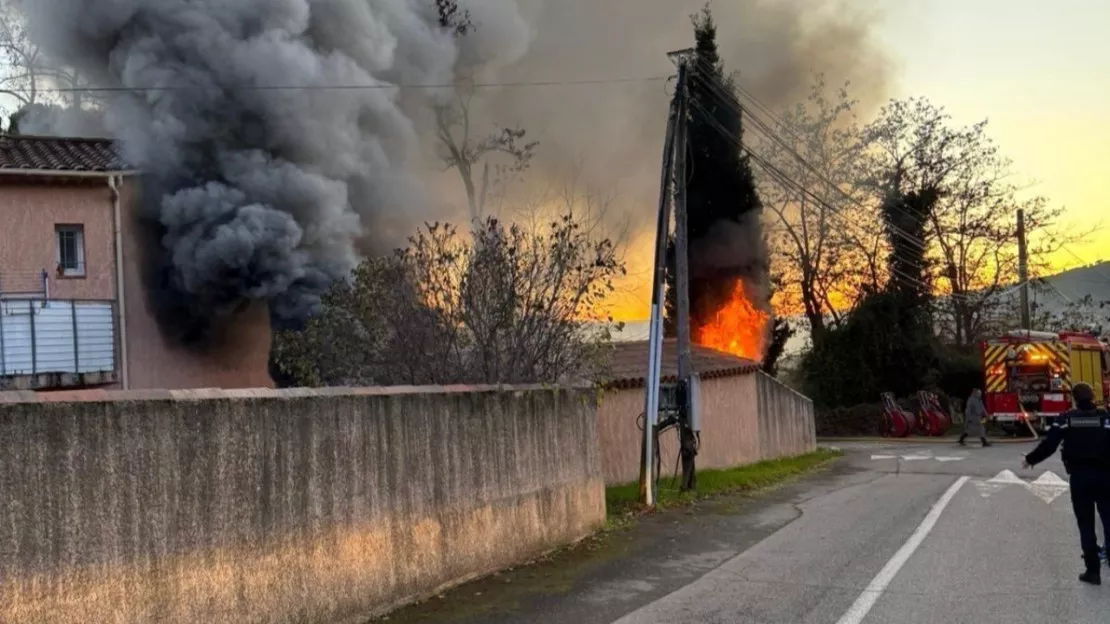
(349, 87)
(1096, 267)
(915, 241)
(729, 99)
(785, 180)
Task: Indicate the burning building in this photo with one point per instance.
(737, 326)
(270, 134)
(75, 304)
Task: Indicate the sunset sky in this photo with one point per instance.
(1039, 71)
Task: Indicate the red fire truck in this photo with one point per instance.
(1029, 375)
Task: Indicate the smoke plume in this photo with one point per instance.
(260, 176)
(615, 128)
(265, 182)
(55, 120)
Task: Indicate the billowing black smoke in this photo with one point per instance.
(262, 162)
(264, 181)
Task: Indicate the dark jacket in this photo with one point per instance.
(1085, 434)
(974, 413)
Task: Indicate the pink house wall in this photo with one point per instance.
(28, 214)
(29, 211)
(744, 419)
(238, 359)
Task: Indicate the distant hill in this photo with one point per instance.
(1074, 285)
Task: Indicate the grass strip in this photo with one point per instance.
(624, 500)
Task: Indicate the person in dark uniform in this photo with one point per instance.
(1085, 434)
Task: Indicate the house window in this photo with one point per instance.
(70, 250)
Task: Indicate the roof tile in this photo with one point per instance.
(628, 363)
(59, 154)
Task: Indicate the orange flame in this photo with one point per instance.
(738, 327)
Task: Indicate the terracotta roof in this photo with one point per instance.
(628, 363)
(59, 154)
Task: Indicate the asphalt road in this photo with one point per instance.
(893, 534)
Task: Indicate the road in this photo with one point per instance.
(896, 533)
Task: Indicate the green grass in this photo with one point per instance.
(624, 500)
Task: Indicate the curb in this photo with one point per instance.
(912, 440)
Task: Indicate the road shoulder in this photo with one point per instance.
(621, 570)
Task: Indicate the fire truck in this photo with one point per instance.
(1029, 375)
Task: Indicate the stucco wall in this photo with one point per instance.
(787, 423)
(744, 419)
(236, 357)
(30, 208)
(283, 508)
(28, 214)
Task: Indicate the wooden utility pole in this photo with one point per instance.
(1023, 270)
(687, 438)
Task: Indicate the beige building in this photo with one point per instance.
(746, 416)
(74, 308)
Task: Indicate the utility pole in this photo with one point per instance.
(688, 445)
(655, 331)
(1023, 270)
(674, 149)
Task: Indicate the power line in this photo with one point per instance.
(786, 181)
(1096, 267)
(789, 183)
(729, 99)
(348, 87)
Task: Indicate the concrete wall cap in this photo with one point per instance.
(206, 394)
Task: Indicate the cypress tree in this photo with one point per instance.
(720, 186)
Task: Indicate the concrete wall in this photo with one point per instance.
(744, 419)
(282, 506)
(29, 211)
(787, 421)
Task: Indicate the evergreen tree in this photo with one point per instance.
(905, 216)
(720, 186)
(886, 343)
(781, 332)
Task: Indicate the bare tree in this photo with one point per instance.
(501, 305)
(1050, 310)
(970, 237)
(827, 254)
(28, 77)
(500, 154)
(1080, 315)
(570, 192)
(465, 153)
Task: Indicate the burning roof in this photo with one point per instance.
(629, 360)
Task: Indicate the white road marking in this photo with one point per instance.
(1006, 476)
(874, 457)
(862, 606)
(1047, 487)
(950, 459)
(1050, 478)
(986, 489)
